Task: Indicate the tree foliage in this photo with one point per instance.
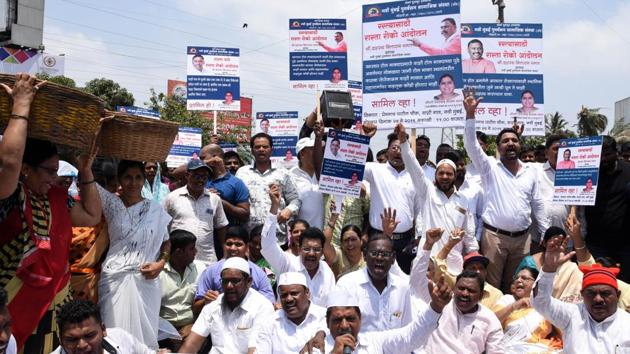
(110, 92)
(554, 123)
(61, 80)
(591, 122)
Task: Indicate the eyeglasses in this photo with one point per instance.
(524, 278)
(384, 254)
(234, 282)
(312, 249)
(199, 177)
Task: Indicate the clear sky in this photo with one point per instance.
(142, 43)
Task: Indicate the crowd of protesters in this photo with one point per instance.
(442, 256)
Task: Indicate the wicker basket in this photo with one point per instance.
(58, 114)
(136, 138)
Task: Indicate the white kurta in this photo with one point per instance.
(127, 299)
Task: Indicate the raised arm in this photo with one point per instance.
(557, 312)
(88, 211)
(479, 159)
(329, 250)
(418, 281)
(291, 199)
(14, 136)
(420, 182)
(277, 258)
(318, 154)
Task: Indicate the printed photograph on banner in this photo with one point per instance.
(228, 147)
(283, 126)
(412, 64)
(234, 124)
(213, 79)
(503, 63)
(176, 88)
(356, 93)
(344, 163)
(318, 54)
(186, 146)
(577, 171)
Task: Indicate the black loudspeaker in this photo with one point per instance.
(336, 105)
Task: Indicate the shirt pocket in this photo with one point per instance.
(242, 333)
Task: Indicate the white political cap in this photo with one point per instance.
(448, 162)
(292, 278)
(342, 298)
(236, 263)
(304, 143)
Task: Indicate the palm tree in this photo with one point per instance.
(591, 122)
(554, 123)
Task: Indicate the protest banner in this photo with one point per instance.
(213, 81)
(344, 163)
(356, 92)
(577, 171)
(139, 111)
(15, 60)
(234, 125)
(503, 63)
(318, 54)
(412, 64)
(283, 128)
(176, 88)
(185, 147)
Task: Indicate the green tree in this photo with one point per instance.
(554, 123)
(61, 80)
(174, 109)
(591, 122)
(110, 92)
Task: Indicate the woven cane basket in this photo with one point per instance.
(58, 114)
(130, 137)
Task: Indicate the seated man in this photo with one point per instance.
(178, 283)
(297, 322)
(234, 319)
(593, 326)
(209, 286)
(319, 276)
(384, 297)
(466, 326)
(82, 331)
(343, 318)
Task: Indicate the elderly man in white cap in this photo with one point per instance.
(235, 317)
(343, 318)
(303, 175)
(444, 210)
(297, 322)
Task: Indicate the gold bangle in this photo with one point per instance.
(17, 116)
(580, 248)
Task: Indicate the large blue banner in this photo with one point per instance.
(213, 79)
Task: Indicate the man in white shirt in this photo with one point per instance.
(312, 209)
(384, 298)
(82, 331)
(423, 145)
(198, 211)
(511, 196)
(319, 276)
(443, 206)
(392, 187)
(344, 334)
(235, 317)
(557, 213)
(297, 321)
(466, 326)
(593, 326)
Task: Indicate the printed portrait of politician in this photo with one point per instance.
(527, 103)
(477, 64)
(335, 145)
(264, 125)
(288, 156)
(566, 163)
(335, 76)
(447, 89)
(588, 185)
(452, 40)
(354, 179)
(229, 98)
(198, 62)
(339, 46)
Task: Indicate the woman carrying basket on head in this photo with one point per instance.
(36, 220)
